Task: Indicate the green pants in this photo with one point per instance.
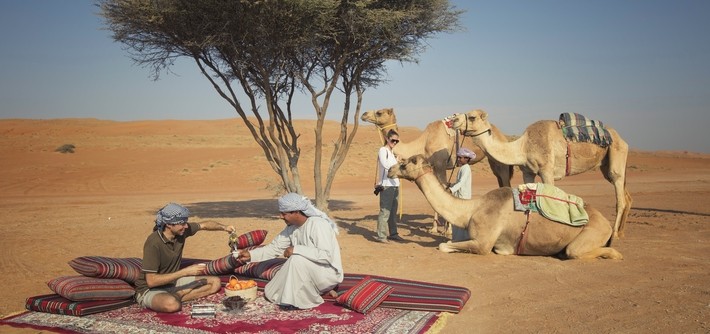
(386, 224)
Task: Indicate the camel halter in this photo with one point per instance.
(418, 177)
(382, 128)
(457, 143)
(467, 133)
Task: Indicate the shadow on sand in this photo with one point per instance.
(409, 226)
(671, 211)
(257, 208)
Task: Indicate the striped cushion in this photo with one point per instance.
(126, 269)
(80, 288)
(365, 295)
(253, 238)
(222, 266)
(414, 295)
(407, 295)
(57, 304)
(264, 269)
(225, 265)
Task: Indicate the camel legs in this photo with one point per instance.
(435, 224)
(502, 172)
(435, 227)
(624, 213)
(590, 241)
(473, 246)
(529, 177)
(599, 253)
(614, 171)
(623, 207)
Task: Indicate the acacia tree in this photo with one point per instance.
(258, 55)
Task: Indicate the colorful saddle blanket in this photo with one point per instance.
(576, 127)
(551, 202)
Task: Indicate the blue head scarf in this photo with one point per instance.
(171, 214)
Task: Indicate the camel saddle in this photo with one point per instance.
(576, 127)
(551, 202)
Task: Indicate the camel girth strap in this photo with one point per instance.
(568, 158)
(520, 249)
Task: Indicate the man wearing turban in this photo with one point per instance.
(462, 187)
(162, 286)
(313, 266)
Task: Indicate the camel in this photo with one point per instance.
(437, 144)
(494, 225)
(542, 150)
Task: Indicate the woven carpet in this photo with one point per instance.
(259, 316)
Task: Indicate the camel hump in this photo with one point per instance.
(577, 127)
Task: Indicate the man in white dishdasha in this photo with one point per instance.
(313, 266)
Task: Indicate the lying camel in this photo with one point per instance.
(437, 143)
(494, 225)
(542, 150)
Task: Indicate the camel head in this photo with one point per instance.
(411, 169)
(471, 123)
(381, 117)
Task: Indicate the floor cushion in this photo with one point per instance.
(365, 295)
(81, 288)
(56, 304)
(127, 269)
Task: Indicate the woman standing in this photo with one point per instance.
(389, 194)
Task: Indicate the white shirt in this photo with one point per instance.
(315, 240)
(462, 187)
(386, 160)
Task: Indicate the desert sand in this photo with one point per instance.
(101, 200)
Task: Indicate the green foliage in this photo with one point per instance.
(66, 148)
(258, 54)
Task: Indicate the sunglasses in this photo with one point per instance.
(394, 141)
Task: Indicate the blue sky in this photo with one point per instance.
(642, 67)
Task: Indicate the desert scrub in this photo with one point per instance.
(66, 148)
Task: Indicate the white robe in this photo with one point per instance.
(314, 268)
(461, 189)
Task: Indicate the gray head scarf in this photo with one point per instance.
(295, 202)
(171, 214)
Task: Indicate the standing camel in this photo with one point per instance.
(437, 143)
(543, 150)
(494, 225)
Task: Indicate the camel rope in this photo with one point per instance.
(454, 149)
(523, 235)
(382, 139)
(401, 193)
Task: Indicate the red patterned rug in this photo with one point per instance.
(259, 316)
